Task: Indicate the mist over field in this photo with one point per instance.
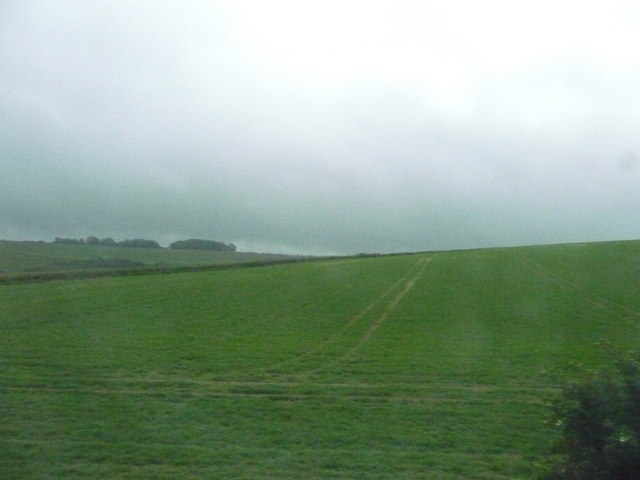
(321, 127)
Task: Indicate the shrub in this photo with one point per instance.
(598, 422)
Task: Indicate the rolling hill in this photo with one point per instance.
(430, 365)
(41, 260)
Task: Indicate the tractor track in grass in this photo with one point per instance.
(333, 336)
(630, 315)
(101, 382)
(392, 305)
(380, 319)
(156, 386)
(436, 393)
(206, 448)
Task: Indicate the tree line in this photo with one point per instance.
(109, 242)
(197, 244)
(191, 244)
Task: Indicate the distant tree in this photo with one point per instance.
(108, 242)
(91, 240)
(598, 422)
(139, 243)
(72, 241)
(197, 244)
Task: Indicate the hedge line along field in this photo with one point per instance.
(417, 366)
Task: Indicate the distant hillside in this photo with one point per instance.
(30, 257)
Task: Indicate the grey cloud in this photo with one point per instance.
(157, 120)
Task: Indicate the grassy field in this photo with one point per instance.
(20, 258)
(425, 366)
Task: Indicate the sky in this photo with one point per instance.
(321, 127)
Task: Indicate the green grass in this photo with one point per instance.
(418, 366)
(21, 257)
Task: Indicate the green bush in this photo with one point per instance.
(598, 421)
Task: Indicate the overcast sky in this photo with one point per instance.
(321, 126)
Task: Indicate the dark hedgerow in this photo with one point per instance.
(598, 421)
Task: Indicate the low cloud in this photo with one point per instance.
(207, 120)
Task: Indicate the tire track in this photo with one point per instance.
(350, 323)
(378, 321)
(435, 392)
(605, 303)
